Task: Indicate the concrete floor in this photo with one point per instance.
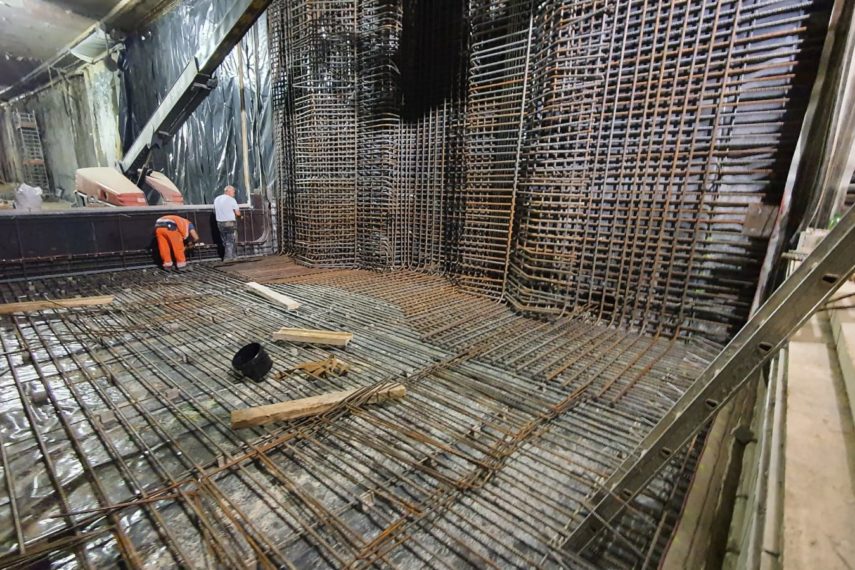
(819, 471)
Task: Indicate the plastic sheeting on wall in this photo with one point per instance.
(206, 153)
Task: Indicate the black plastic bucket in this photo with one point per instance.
(252, 361)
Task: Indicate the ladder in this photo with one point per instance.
(33, 158)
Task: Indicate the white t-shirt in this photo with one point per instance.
(225, 207)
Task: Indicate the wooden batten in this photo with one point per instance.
(305, 407)
(311, 336)
(30, 306)
(274, 296)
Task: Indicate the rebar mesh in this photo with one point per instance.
(379, 35)
(428, 183)
(610, 155)
(317, 81)
(653, 127)
(501, 42)
(117, 448)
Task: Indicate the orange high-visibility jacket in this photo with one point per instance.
(176, 223)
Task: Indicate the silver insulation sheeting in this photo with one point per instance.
(206, 153)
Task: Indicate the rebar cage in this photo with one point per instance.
(622, 157)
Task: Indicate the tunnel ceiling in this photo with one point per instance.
(34, 31)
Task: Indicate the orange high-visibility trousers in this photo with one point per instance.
(165, 239)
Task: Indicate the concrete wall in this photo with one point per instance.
(79, 122)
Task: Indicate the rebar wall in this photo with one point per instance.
(315, 102)
(429, 164)
(652, 129)
(617, 156)
(498, 90)
(378, 121)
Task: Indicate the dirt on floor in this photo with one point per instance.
(7, 199)
(268, 269)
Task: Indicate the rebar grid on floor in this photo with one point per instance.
(117, 445)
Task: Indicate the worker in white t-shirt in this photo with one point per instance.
(227, 211)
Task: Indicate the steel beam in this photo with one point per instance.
(193, 85)
(819, 276)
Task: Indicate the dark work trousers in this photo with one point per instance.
(228, 232)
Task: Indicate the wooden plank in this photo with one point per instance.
(331, 366)
(29, 306)
(311, 336)
(304, 407)
(845, 343)
(272, 295)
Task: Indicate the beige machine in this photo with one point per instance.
(165, 191)
(107, 186)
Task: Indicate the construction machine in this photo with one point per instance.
(131, 182)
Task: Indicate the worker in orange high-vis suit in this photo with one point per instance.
(171, 233)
